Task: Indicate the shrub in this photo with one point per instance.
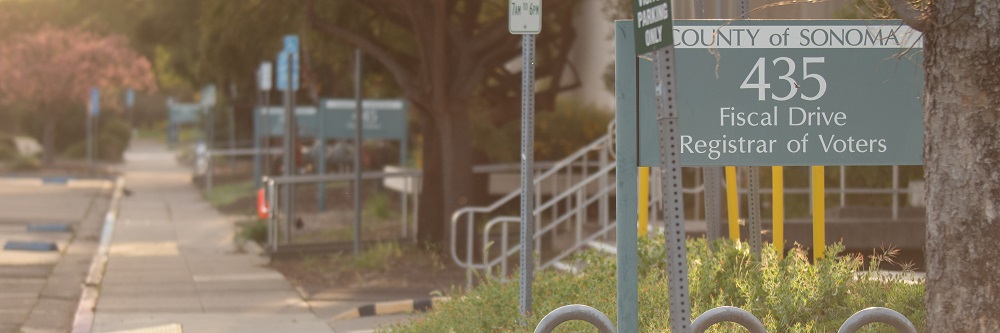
(788, 294)
(255, 230)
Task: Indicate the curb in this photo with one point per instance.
(83, 320)
(392, 307)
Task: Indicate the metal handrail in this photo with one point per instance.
(488, 264)
(551, 202)
(569, 161)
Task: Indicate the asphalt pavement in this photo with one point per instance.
(49, 232)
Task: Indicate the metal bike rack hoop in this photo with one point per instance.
(575, 312)
(727, 314)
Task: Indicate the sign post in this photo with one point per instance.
(94, 110)
(526, 20)
(654, 34)
(288, 82)
(357, 150)
(263, 90)
(130, 105)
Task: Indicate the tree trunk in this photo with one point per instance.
(447, 184)
(49, 139)
(431, 220)
(962, 165)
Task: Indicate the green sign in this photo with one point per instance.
(792, 93)
(381, 119)
(183, 113)
(653, 23)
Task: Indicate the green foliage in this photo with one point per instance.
(25, 163)
(558, 133)
(377, 206)
(112, 139)
(226, 194)
(789, 294)
(7, 152)
(378, 257)
(255, 230)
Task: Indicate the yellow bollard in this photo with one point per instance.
(819, 212)
(778, 189)
(643, 201)
(733, 203)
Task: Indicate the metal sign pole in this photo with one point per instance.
(527, 169)
(289, 155)
(654, 35)
(320, 156)
(671, 185)
(357, 151)
(711, 175)
(753, 180)
(525, 19)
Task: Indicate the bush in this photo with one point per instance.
(112, 139)
(255, 230)
(25, 163)
(787, 294)
(7, 152)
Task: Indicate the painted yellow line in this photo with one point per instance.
(819, 212)
(733, 203)
(643, 200)
(778, 203)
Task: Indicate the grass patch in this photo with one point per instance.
(254, 230)
(788, 294)
(226, 194)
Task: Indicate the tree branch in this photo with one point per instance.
(381, 53)
(910, 14)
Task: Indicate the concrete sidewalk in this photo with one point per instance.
(171, 260)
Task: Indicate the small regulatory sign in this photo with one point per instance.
(525, 17)
(653, 25)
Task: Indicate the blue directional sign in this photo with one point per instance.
(95, 102)
(130, 98)
(288, 64)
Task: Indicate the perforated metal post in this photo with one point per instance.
(753, 180)
(527, 169)
(713, 203)
(753, 204)
(673, 197)
(711, 176)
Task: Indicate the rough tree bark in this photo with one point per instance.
(962, 163)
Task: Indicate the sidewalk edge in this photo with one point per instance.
(83, 320)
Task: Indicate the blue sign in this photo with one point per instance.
(95, 101)
(288, 64)
(130, 98)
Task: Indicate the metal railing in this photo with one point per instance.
(577, 182)
(719, 315)
(272, 184)
(578, 215)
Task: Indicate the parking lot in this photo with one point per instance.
(49, 228)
